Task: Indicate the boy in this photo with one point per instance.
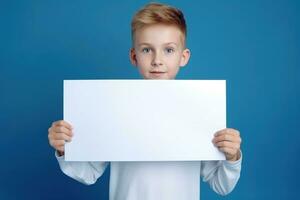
(158, 39)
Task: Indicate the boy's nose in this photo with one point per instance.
(156, 61)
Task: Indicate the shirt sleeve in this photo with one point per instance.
(84, 172)
(223, 175)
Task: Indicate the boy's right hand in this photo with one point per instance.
(58, 134)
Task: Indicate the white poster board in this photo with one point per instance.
(144, 120)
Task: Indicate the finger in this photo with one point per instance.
(227, 131)
(50, 136)
(62, 129)
(227, 137)
(61, 149)
(62, 136)
(228, 151)
(227, 144)
(62, 123)
(58, 143)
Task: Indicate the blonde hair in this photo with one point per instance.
(157, 13)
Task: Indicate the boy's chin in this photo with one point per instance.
(157, 77)
(160, 78)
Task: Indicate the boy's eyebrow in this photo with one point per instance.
(168, 43)
(171, 43)
(144, 43)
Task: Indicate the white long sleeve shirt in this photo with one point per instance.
(157, 180)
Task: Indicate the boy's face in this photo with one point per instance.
(159, 52)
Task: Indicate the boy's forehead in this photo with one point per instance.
(158, 34)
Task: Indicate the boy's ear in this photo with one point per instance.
(132, 57)
(186, 54)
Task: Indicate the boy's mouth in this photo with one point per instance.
(157, 72)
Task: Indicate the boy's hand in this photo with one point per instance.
(58, 134)
(228, 141)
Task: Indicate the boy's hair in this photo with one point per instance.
(157, 13)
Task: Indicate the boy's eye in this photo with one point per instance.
(146, 50)
(169, 50)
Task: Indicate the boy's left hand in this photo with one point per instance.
(228, 140)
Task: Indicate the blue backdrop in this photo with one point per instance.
(254, 45)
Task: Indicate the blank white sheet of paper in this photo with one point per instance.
(144, 120)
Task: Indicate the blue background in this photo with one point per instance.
(254, 45)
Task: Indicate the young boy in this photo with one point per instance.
(158, 39)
